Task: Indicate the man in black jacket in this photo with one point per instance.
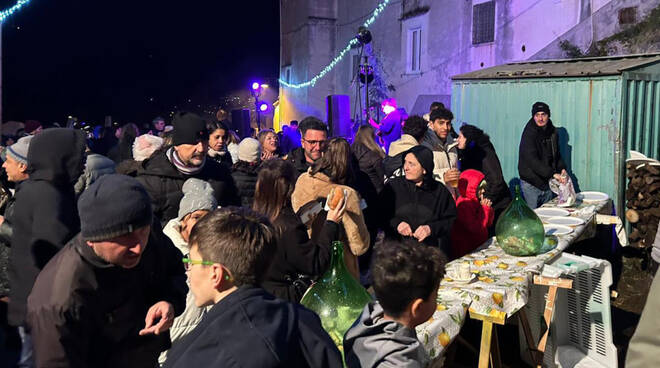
(45, 217)
(230, 252)
(539, 159)
(314, 135)
(164, 173)
(108, 298)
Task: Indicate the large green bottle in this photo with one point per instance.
(519, 231)
(337, 297)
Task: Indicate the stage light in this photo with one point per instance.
(263, 106)
(363, 35)
(255, 86)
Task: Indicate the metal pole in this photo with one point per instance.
(366, 87)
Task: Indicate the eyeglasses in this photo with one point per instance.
(314, 143)
(188, 263)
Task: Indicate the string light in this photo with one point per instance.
(7, 12)
(379, 9)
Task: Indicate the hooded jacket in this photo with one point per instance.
(470, 229)
(539, 154)
(46, 216)
(374, 341)
(86, 312)
(480, 155)
(95, 166)
(355, 235)
(163, 182)
(445, 155)
(393, 162)
(251, 328)
(429, 204)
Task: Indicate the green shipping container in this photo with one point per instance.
(602, 108)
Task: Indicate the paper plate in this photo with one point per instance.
(545, 213)
(566, 221)
(592, 196)
(557, 229)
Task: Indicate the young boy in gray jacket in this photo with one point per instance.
(405, 280)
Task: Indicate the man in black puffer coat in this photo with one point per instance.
(164, 173)
(539, 159)
(45, 216)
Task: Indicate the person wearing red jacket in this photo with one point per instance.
(474, 215)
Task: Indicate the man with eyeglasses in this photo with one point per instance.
(314, 135)
(108, 298)
(231, 250)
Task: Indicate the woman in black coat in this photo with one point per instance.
(298, 259)
(416, 205)
(369, 156)
(477, 152)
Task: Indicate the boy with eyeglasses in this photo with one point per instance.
(231, 250)
(109, 297)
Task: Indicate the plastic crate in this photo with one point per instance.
(581, 329)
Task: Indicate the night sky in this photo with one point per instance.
(95, 58)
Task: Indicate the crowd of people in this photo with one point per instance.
(187, 245)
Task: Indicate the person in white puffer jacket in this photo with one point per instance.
(198, 200)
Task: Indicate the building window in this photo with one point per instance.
(286, 71)
(483, 23)
(628, 15)
(414, 52)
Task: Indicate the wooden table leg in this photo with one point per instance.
(487, 332)
(553, 284)
(484, 351)
(495, 358)
(535, 357)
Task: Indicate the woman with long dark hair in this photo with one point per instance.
(476, 152)
(297, 256)
(334, 169)
(124, 148)
(218, 141)
(369, 156)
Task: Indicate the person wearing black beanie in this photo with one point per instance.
(416, 205)
(108, 298)
(164, 173)
(539, 157)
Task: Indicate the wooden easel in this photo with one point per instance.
(489, 338)
(552, 283)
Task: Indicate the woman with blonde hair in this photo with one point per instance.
(269, 144)
(333, 170)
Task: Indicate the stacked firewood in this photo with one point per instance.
(643, 203)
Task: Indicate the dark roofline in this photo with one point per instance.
(534, 69)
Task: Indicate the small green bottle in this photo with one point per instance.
(336, 297)
(519, 231)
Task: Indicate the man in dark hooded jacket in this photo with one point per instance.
(45, 216)
(108, 298)
(164, 173)
(539, 159)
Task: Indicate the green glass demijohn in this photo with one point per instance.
(336, 297)
(519, 231)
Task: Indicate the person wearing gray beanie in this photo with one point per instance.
(198, 200)
(122, 272)
(245, 171)
(16, 162)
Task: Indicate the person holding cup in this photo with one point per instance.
(444, 147)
